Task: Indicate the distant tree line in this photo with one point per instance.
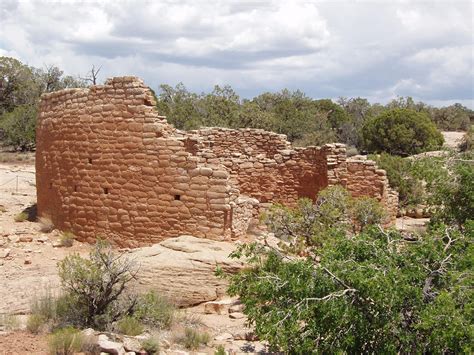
(401, 127)
(20, 89)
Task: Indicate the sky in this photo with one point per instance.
(328, 49)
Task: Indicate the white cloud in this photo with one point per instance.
(377, 49)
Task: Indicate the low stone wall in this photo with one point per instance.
(363, 178)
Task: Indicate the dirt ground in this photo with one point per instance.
(23, 343)
(453, 139)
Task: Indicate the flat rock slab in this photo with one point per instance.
(183, 269)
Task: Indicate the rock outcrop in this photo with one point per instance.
(183, 269)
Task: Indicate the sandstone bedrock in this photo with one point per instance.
(108, 165)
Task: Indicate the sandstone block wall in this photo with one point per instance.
(108, 165)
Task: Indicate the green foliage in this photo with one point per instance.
(154, 310)
(220, 350)
(130, 326)
(34, 323)
(151, 346)
(401, 132)
(65, 341)
(455, 194)
(402, 177)
(19, 126)
(367, 211)
(94, 287)
(452, 118)
(374, 293)
(193, 339)
(310, 224)
(20, 89)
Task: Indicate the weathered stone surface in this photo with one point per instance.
(110, 347)
(183, 269)
(237, 315)
(131, 344)
(217, 307)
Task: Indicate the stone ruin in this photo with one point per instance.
(108, 165)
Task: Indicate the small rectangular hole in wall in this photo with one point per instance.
(177, 197)
(75, 188)
(50, 185)
(106, 190)
(89, 160)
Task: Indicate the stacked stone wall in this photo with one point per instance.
(364, 178)
(224, 142)
(264, 166)
(108, 165)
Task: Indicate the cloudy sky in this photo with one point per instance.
(374, 49)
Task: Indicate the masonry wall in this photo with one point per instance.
(107, 165)
(363, 178)
(264, 166)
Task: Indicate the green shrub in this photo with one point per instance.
(375, 292)
(403, 177)
(220, 350)
(367, 211)
(193, 339)
(19, 127)
(21, 217)
(401, 132)
(65, 341)
(34, 323)
(151, 346)
(95, 287)
(155, 310)
(130, 326)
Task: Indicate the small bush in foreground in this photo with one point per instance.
(34, 323)
(65, 341)
(155, 310)
(151, 346)
(21, 217)
(130, 326)
(94, 287)
(193, 339)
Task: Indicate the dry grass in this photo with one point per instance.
(15, 157)
(9, 321)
